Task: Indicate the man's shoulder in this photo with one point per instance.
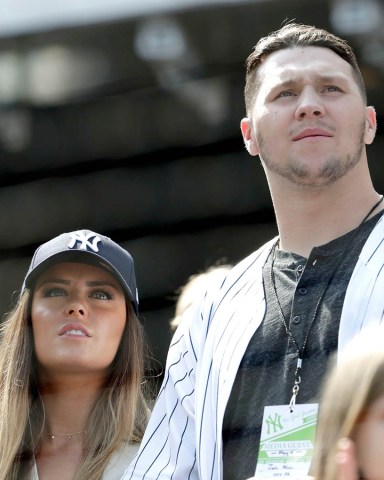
(247, 270)
(374, 245)
(256, 259)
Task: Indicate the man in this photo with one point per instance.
(264, 336)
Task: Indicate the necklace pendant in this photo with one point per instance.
(68, 435)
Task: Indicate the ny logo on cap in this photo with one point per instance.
(85, 240)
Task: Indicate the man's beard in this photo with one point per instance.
(332, 170)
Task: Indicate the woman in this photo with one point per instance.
(350, 435)
(72, 404)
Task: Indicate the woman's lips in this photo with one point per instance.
(75, 330)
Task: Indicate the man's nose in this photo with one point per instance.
(309, 105)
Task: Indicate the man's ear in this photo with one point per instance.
(370, 125)
(249, 136)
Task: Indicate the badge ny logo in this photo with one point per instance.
(85, 241)
(274, 423)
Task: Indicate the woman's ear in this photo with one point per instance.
(370, 125)
(249, 136)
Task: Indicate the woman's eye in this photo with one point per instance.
(54, 292)
(101, 295)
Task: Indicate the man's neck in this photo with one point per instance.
(307, 219)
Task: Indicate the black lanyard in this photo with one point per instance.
(300, 351)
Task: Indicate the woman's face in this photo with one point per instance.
(78, 318)
(369, 440)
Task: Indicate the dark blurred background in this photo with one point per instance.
(123, 117)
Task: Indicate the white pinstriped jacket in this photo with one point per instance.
(183, 438)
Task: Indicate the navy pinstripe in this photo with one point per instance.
(183, 438)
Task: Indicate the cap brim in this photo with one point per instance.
(80, 256)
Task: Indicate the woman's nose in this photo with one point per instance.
(75, 309)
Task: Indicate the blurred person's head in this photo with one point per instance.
(352, 409)
(196, 285)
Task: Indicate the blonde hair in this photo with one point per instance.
(350, 388)
(197, 284)
(119, 415)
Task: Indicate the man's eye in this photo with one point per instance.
(286, 93)
(54, 292)
(332, 88)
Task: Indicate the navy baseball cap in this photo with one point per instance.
(85, 246)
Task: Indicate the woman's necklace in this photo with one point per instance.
(68, 435)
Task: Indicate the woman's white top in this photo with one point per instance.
(115, 469)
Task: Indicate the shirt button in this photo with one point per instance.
(300, 268)
(302, 291)
(296, 319)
